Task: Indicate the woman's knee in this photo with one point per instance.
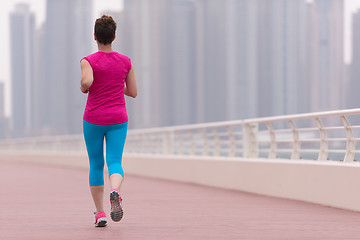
(115, 167)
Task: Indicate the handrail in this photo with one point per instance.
(329, 135)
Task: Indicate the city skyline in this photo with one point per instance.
(101, 6)
(195, 61)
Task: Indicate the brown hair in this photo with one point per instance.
(104, 29)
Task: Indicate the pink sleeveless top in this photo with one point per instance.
(106, 102)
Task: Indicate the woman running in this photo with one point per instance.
(107, 76)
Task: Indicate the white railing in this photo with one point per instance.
(321, 136)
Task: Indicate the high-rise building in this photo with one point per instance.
(281, 57)
(180, 84)
(295, 58)
(327, 51)
(68, 38)
(38, 107)
(353, 97)
(241, 59)
(142, 43)
(3, 119)
(22, 29)
(2, 100)
(214, 65)
(161, 39)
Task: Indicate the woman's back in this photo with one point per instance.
(106, 102)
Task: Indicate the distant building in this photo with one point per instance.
(39, 124)
(241, 53)
(142, 41)
(180, 84)
(22, 29)
(281, 57)
(4, 127)
(214, 84)
(2, 100)
(68, 38)
(353, 96)
(327, 51)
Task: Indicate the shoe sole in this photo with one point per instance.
(101, 223)
(116, 211)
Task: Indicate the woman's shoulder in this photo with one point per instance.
(95, 54)
(93, 58)
(125, 60)
(123, 56)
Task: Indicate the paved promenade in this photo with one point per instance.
(48, 202)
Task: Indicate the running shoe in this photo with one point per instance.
(116, 206)
(100, 219)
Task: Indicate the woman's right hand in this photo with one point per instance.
(86, 91)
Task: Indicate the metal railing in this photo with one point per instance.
(332, 135)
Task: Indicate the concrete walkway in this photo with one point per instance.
(47, 202)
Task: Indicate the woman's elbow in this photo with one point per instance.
(132, 92)
(134, 95)
(85, 84)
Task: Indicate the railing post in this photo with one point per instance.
(142, 143)
(181, 142)
(217, 141)
(232, 148)
(323, 154)
(205, 141)
(159, 145)
(296, 144)
(250, 143)
(192, 141)
(350, 144)
(273, 146)
(168, 138)
(149, 143)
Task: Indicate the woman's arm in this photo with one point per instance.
(87, 77)
(130, 89)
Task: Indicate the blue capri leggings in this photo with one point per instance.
(115, 136)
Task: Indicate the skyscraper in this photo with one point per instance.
(353, 97)
(68, 38)
(281, 57)
(2, 100)
(3, 119)
(143, 33)
(241, 75)
(327, 50)
(214, 82)
(22, 29)
(295, 58)
(39, 126)
(180, 85)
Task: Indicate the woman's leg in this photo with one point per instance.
(94, 139)
(115, 141)
(116, 180)
(97, 193)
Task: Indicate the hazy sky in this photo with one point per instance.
(38, 6)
